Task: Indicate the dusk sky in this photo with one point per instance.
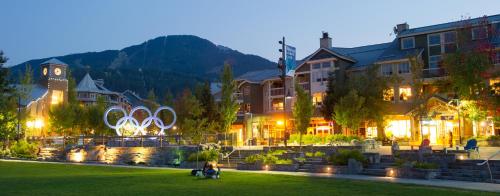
(36, 29)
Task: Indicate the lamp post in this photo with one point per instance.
(282, 67)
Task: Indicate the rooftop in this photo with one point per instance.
(54, 61)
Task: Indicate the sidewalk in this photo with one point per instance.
(480, 186)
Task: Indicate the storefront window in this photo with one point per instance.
(495, 85)
(398, 129)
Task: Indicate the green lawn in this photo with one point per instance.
(59, 179)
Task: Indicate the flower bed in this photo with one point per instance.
(271, 167)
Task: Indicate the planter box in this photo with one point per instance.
(413, 173)
(276, 167)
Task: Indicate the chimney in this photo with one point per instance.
(401, 27)
(325, 41)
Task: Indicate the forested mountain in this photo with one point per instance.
(167, 63)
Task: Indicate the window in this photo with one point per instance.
(497, 58)
(404, 68)
(495, 85)
(246, 90)
(389, 94)
(277, 104)
(404, 93)
(386, 69)
(316, 66)
(479, 33)
(434, 39)
(326, 65)
(450, 42)
(434, 61)
(317, 99)
(408, 43)
(57, 97)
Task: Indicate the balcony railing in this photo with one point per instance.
(277, 91)
(305, 86)
(433, 72)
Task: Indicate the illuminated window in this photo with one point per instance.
(495, 85)
(389, 94)
(398, 129)
(404, 93)
(57, 96)
(371, 132)
(317, 99)
(277, 104)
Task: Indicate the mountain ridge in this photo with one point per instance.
(174, 61)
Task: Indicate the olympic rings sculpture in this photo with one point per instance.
(139, 128)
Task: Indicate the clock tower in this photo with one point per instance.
(55, 80)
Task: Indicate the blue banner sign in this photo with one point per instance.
(290, 59)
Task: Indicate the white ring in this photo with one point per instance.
(139, 127)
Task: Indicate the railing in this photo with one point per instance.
(277, 91)
(305, 86)
(433, 72)
(226, 156)
(487, 162)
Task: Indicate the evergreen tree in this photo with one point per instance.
(8, 103)
(190, 120)
(228, 106)
(302, 111)
(204, 95)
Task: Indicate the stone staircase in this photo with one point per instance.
(309, 163)
(468, 170)
(236, 157)
(378, 169)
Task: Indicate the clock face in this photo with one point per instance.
(57, 71)
(44, 71)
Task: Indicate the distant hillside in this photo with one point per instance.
(164, 63)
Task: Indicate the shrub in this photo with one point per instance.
(205, 155)
(276, 152)
(309, 154)
(24, 149)
(424, 165)
(493, 138)
(340, 138)
(343, 156)
(319, 154)
(253, 158)
(306, 139)
(284, 161)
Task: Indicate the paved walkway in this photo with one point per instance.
(439, 183)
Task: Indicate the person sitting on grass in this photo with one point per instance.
(210, 171)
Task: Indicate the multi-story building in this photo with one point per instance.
(262, 93)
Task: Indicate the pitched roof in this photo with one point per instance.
(133, 98)
(393, 52)
(35, 92)
(87, 84)
(54, 61)
(363, 55)
(448, 25)
(260, 75)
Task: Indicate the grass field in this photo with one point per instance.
(60, 179)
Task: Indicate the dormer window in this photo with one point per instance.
(479, 33)
(407, 43)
